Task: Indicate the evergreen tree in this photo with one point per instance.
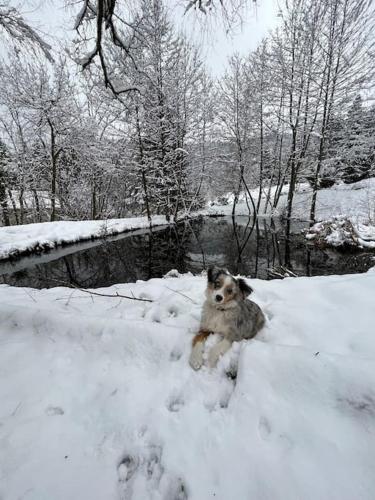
(357, 148)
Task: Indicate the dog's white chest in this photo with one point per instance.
(216, 322)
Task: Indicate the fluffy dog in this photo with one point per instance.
(226, 311)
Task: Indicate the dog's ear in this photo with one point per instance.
(211, 274)
(244, 287)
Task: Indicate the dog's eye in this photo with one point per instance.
(229, 290)
(217, 284)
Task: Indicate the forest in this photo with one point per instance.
(133, 123)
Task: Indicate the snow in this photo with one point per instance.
(23, 239)
(366, 235)
(356, 200)
(28, 200)
(98, 399)
(340, 232)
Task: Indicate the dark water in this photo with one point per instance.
(257, 250)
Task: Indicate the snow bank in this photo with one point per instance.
(24, 239)
(98, 400)
(355, 200)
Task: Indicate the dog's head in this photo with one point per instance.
(223, 289)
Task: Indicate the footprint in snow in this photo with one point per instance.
(149, 470)
(52, 411)
(175, 403)
(173, 311)
(175, 355)
(126, 468)
(264, 428)
(266, 432)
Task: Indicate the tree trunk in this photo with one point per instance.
(37, 205)
(13, 206)
(3, 201)
(143, 173)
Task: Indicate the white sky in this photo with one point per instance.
(217, 46)
(51, 17)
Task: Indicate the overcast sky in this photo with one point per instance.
(51, 17)
(218, 46)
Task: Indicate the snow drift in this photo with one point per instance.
(98, 400)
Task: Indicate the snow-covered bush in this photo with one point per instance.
(341, 232)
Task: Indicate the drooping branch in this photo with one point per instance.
(103, 14)
(104, 17)
(20, 32)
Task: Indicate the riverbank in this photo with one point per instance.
(346, 212)
(356, 200)
(17, 241)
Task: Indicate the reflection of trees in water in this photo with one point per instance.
(125, 260)
(242, 245)
(138, 257)
(158, 252)
(253, 248)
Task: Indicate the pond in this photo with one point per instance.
(255, 249)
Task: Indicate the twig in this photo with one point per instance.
(29, 294)
(180, 293)
(13, 414)
(116, 295)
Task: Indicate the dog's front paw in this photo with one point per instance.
(216, 351)
(196, 359)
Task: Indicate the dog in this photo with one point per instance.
(226, 311)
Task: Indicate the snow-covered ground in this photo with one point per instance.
(355, 200)
(98, 400)
(18, 240)
(28, 200)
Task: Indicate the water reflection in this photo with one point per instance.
(252, 248)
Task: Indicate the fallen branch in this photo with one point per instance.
(281, 272)
(116, 295)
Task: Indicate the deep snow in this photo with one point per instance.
(28, 238)
(98, 400)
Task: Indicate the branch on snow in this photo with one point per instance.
(111, 295)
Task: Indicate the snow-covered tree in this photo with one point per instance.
(4, 163)
(357, 143)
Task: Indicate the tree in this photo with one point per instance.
(357, 145)
(118, 26)
(4, 162)
(161, 117)
(235, 113)
(348, 29)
